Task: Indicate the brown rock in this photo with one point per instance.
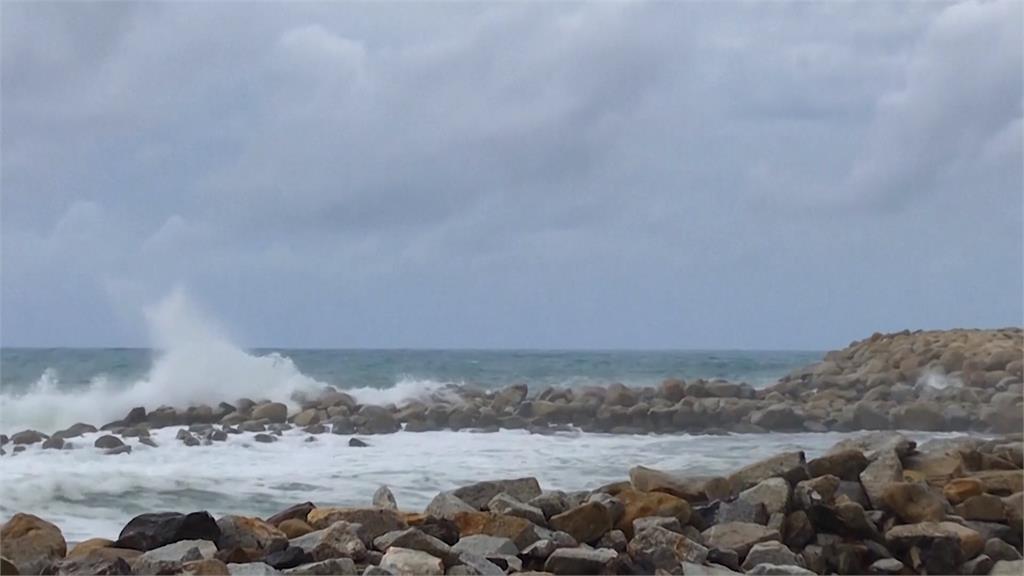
(844, 464)
(959, 489)
(86, 546)
(293, 528)
(586, 523)
(885, 470)
(937, 469)
(374, 521)
(1001, 482)
(522, 532)
(738, 536)
(788, 465)
(985, 507)
(246, 532)
(642, 504)
(32, 544)
(205, 567)
(690, 488)
(924, 534)
(914, 502)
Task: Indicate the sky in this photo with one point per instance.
(512, 175)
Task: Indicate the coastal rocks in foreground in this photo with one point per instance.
(878, 504)
(963, 380)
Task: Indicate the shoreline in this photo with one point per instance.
(877, 503)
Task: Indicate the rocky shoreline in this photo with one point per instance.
(874, 504)
(959, 380)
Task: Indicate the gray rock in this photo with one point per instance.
(883, 471)
(479, 565)
(788, 465)
(1008, 568)
(580, 561)
(780, 570)
(741, 511)
(415, 539)
(738, 536)
(168, 559)
(479, 494)
(486, 546)
(550, 502)
(666, 522)
(998, 550)
(407, 562)
(505, 504)
(979, 565)
(885, 566)
(616, 539)
(339, 540)
(775, 553)
(332, 567)
(383, 498)
(251, 569)
(691, 569)
(773, 493)
(372, 570)
(446, 505)
(656, 549)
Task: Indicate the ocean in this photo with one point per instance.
(89, 494)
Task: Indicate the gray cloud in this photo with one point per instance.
(605, 174)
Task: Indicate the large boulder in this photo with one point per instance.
(878, 475)
(373, 521)
(272, 411)
(98, 561)
(168, 559)
(339, 540)
(416, 539)
(505, 504)
(773, 493)
(690, 488)
(245, 532)
(959, 489)
(844, 464)
(586, 523)
(920, 416)
(581, 561)
(770, 552)
(788, 465)
(656, 548)
(407, 562)
(738, 536)
(642, 504)
(934, 540)
(913, 502)
(875, 444)
(479, 494)
(32, 544)
(522, 532)
(149, 531)
(778, 417)
(446, 505)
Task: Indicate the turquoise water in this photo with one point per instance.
(20, 368)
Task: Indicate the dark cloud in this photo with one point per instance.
(602, 174)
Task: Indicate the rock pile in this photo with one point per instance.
(876, 504)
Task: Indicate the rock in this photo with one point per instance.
(844, 464)
(641, 524)
(1001, 482)
(293, 528)
(656, 548)
(479, 494)
(738, 511)
(264, 438)
(959, 489)
(997, 550)
(307, 417)
(150, 531)
(615, 540)
(520, 531)
(447, 505)
(374, 521)
(287, 558)
(886, 566)
(406, 562)
(476, 565)
(376, 420)
(339, 540)
(778, 418)
(770, 553)
(272, 411)
(53, 443)
(415, 539)
(75, 430)
(205, 567)
(1008, 568)
(148, 442)
(251, 569)
(298, 511)
(980, 564)
(581, 561)
(933, 539)
(505, 504)
(26, 437)
(372, 570)
(168, 559)
(819, 491)
(788, 465)
(689, 488)
(32, 544)
(96, 562)
(332, 567)
(875, 444)
(638, 504)
(797, 530)
(773, 493)
(775, 569)
(357, 443)
(486, 546)
(550, 502)
(383, 498)
(913, 502)
(586, 523)
(245, 532)
(738, 536)
(984, 507)
(108, 441)
(118, 450)
(85, 547)
(884, 470)
(920, 416)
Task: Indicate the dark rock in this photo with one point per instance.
(298, 511)
(150, 531)
(357, 443)
(264, 438)
(108, 441)
(288, 558)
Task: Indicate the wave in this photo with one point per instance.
(195, 364)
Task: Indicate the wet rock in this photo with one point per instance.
(374, 521)
(32, 544)
(778, 418)
(357, 443)
(506, 504)
(581, 561)
(75, 430)
(656, 548)
(406, 562)
(586, 523)
(265, 438)
(53, 443)
(119, 450)
(770, 553)
(383, 498)
(738, 536)
(690, 488)
(26, 437)
(108, 441)
(149, 531)
(271, 411)
(339, 540)
(479, 494)
(148, 442)
(245, 532)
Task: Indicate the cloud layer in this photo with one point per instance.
(512, 175)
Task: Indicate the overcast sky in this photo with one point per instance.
(610, 175)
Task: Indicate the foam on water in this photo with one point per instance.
(89, 494)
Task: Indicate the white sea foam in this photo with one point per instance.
(88, 493)
(195, 364)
